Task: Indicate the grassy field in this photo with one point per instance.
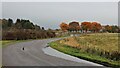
(100, 48)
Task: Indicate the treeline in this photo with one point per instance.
(89, 27)
(23, 29)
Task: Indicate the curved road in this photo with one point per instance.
(33, 55)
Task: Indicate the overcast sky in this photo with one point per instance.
(60, 0)
(51, 14)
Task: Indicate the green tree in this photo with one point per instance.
(114, 29)
(28, 25)
(37, 27)
(18, 24)
(10, 22)
(4, 24)
(43, 28)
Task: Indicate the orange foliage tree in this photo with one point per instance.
(96, 27)
(64, 26)
(86, 26)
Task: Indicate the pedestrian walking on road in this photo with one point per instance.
(23, 48)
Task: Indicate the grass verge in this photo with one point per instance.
(5, 43)
(83, 55)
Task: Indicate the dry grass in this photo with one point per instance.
(70, 42)
(99, 47)
(102, 44)
(107, 42)
(102, 41)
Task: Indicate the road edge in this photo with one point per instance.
(53, 52)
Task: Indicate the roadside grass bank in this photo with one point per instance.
(93, 51)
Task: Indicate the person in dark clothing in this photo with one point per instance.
(23, 48)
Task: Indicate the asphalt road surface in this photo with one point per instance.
(32, 55)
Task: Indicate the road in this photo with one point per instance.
(33, 55)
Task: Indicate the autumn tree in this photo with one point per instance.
(64, 26)
(96, 27)
(74, 26)
(86, 26)
(78, 28)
